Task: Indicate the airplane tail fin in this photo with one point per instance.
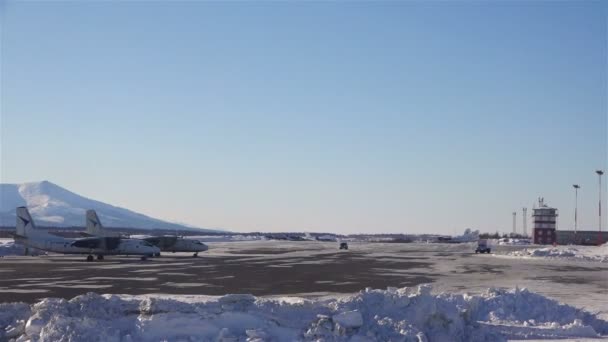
(94, 226)
(25, 223)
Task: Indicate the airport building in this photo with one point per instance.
(581, 237)
(545, 229)
(545, 224)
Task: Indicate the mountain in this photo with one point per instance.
(52, 205)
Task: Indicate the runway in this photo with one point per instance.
(309, 269)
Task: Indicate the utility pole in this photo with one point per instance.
(576, 187)
(514, 223)
(525, 221)
(599, 237)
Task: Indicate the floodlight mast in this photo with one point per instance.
(514, 223)
(525, 221)
(576, 187)
(599, 237)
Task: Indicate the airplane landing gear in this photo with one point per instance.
(195, 255)
(89, 258)
(157, 254)
(100, 257)
(144, 258)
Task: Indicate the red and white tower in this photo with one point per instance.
(545, 223)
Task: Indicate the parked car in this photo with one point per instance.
(343, 245)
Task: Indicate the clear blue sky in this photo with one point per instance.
(345, 117)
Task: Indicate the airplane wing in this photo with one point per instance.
(107, 243)
(86, 235)
(90, 243)
(17, 236)
(153, 240)
(111, 242)
(162, 241)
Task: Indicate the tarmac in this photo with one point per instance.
(306, 269)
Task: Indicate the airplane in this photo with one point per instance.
(166, 243)
(30, 237)
(327, 237)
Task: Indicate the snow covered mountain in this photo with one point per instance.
(52, 205)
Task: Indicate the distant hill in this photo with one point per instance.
(52, 205)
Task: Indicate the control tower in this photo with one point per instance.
(545, 223)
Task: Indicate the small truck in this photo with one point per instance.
(483, 247)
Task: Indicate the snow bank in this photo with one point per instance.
(9, 247)
(582, 253)
(554, 252)
(227, 238)
(407, 314)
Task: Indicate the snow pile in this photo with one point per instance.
(12, 319)
(554, 252)
(407, 314)
(582, 253)
(9, 247)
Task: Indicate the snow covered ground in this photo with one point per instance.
(575, 253)
(213, 238)
(227, 238)
(313, 307)
(406, 314)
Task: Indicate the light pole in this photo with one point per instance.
(525, 221)
(514, 224)
(576, 187)
(599, 237)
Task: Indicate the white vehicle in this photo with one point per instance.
(483, 246)
(30, 237)
(164, 243)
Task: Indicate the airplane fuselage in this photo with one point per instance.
(56, 246)
(176, 244)
(186, 245)
(66, 246)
